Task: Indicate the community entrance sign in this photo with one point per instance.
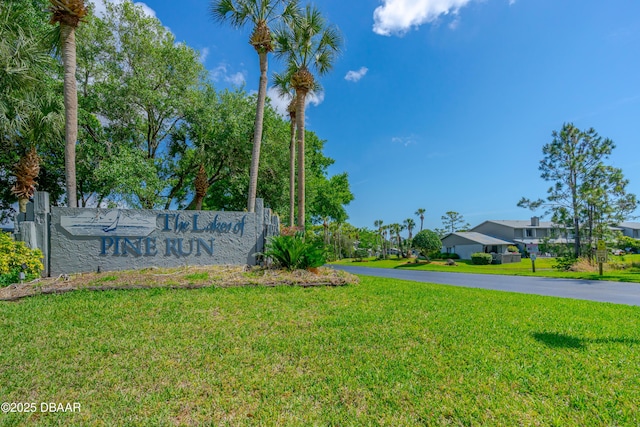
(84, 240)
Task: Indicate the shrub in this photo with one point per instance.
(293, 252)
(13, 255)
(426, 242)
(443, 255)
(360, 253)
(480, 258)
(512, 249)
(564, 263)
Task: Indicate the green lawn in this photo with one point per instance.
(383, 352)
(544, 268)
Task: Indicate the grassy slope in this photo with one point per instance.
(383, 352)
(544, 268)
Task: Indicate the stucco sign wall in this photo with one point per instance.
(84, 240)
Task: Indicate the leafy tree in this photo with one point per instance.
(308, 44)
(212, 140)
(427, 241)
(420, 213)
(259, 13)
(366, 239)
(68, 14)
(136, 84)
(453, 221)
(628, 243)
(584, 190)
(330, 197)
(441, 232)
(327, 195)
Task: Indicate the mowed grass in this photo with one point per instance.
(544, 268)
(383, 352)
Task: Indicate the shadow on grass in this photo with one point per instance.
(412, 264)
(556, 340)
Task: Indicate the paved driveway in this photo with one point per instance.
(593, 290)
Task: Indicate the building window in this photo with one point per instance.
(529, 232)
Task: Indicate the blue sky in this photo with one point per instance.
(446, 104)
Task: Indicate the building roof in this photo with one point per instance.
(522, 223)
(483, 239)
(630, 225)
(560, 240)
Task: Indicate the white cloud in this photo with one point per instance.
(100, 7)
(399, 16)
(314, 98)
(204, 53)
(146, 9)
(279, 103)
(222, 74)
(454, 24)
(404, 140)
(354, 76)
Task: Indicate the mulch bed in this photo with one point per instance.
(190, 277)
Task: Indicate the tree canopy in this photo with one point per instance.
(586, 195)
(152, 126)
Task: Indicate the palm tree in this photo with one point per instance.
(420, 212)
(285, 90)
(69, 13)
(409, 223)
(397, 229)
(26, 172)
(385, 230)
(308, 44)
(261, 13)
(282, 82)
(378, 225)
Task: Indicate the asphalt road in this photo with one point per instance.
(592, 290)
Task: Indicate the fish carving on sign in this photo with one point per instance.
(120, 221)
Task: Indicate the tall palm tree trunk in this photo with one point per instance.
(301, 95)
(71, 111)
(257, 133)
(292, 172)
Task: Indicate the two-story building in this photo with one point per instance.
(526, 235)
(494, 236)
(630, 229)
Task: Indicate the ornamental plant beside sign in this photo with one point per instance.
(16, 257)
(293, 252)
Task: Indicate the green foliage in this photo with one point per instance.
(360, 253)
(31, 107)
(148, 117)
(586, 194)
(628, 244)
(564, 263)
(513, 249)
(294, 252)
(443, 255)
(480, 258)
(454, 221)
(426, 242)
(429, 355)
(13, 255)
